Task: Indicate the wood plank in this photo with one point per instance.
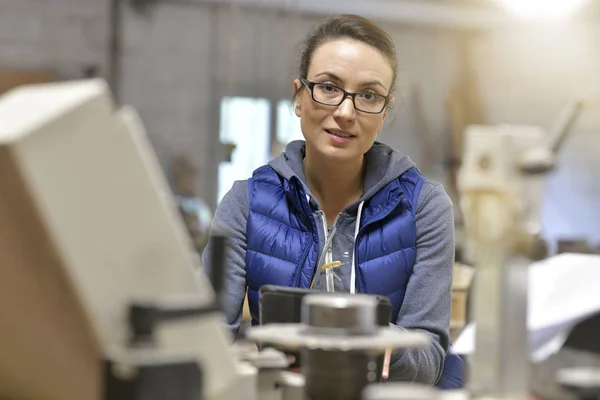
(11, 78)
(44, 332)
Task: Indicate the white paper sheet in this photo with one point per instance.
(563, 291)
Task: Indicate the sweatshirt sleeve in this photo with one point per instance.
(230, 220)
(427, 303)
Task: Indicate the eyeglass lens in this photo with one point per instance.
(364, 101)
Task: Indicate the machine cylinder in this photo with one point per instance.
(338, 375)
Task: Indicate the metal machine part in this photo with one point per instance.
(400, 391)
(340, 315)
(338, 339)
(297, 336)
(142, 372)
(583, 382)
(542, 159)
(146, 316)
(272, 381)
(334, 374)
(499, 182)
(158, 378)
(491, 206)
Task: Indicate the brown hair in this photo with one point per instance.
(352, 27)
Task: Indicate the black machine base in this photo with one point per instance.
(175, 380)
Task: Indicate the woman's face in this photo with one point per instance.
(342, 132)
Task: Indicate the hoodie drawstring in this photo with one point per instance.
(356, 230)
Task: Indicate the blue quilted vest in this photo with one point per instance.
(283, 243)
(283, 237)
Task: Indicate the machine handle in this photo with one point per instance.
(564, 125)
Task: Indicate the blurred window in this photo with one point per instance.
(245, 123)
(288, 124)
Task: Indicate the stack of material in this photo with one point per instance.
(461, 283)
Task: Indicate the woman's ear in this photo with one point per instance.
(297, 96)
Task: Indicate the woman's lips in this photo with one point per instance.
(340, 137)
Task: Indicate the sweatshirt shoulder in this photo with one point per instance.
(433, 196)
(235, 200)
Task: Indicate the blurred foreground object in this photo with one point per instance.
(11, 78)
(87, 227)
(500, 183)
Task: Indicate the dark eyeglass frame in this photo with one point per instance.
(311, 85)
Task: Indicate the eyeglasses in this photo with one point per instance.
(331, 95)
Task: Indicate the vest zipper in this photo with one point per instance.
(329, 249)
(378, 217)
(304, 255)
(329, 257)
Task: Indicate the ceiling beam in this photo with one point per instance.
(420, 12)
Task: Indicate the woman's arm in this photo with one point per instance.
(427, 303)
(230, 220)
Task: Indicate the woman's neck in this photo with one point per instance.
(336, 185)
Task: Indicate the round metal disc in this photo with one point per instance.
(348, 314)
(295, 336)
(399, 391)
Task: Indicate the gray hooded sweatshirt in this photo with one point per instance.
(426, 306)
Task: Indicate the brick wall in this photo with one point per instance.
(177, 62)
(180, 59)
(62, 36)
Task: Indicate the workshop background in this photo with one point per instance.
(206, 74)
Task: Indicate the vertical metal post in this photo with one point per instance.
(491, 209)
(501, 357)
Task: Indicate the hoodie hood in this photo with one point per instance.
(384, 165)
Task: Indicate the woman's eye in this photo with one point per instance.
(328, 88)
(368, 96)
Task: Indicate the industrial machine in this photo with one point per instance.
(103, 297)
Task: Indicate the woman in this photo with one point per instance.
(340, 191)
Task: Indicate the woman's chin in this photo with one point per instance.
(340, 153)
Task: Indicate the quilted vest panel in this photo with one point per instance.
(283, 239)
